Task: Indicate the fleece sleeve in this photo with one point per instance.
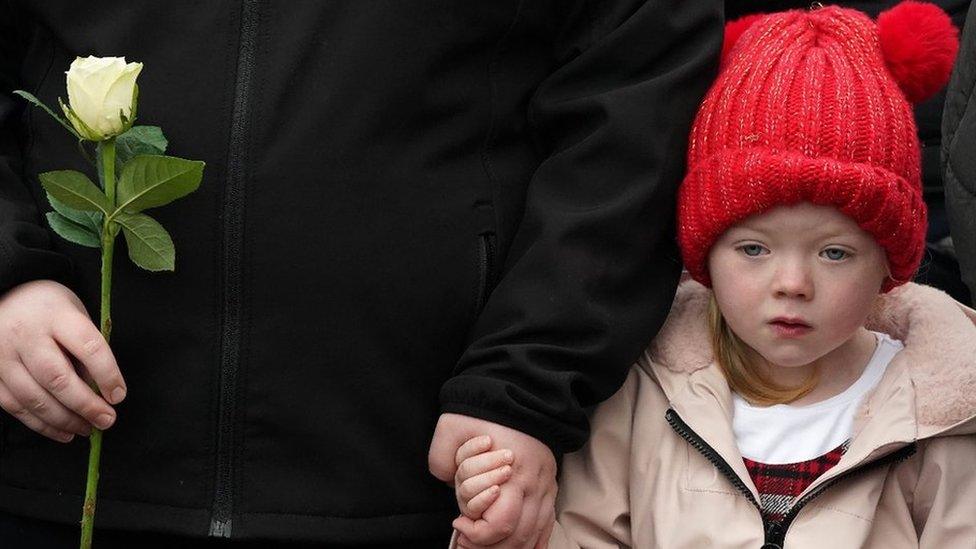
(593, 267)
(25, 242)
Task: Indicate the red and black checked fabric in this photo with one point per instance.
(780, 484)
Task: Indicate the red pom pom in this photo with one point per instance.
(919, 44)
(733, 30)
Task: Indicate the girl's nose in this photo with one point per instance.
(793, 280)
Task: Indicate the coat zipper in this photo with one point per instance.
(893, 458)
(698, 443)
(774, 533)
(233, 216)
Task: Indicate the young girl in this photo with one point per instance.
(801, 393)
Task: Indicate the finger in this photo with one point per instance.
(50, 368)
(38, 401)
(83, 340)
(547, 520)
(499, 520)
(465, 543)
(543, 542)
(464, 524)
(482, 463)
(527, 529)
(477, 505)
(12, 406)
(473, 486)
(472, 447)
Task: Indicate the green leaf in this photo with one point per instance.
(75, 189)
(150, 246)
(37, 102)
(148, 181)
(138, 140)
(73, 232)
(91, 220)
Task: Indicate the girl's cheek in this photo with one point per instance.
(849, 308)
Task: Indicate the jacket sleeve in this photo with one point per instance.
(25, 243)
(945, 493)
(593, 266)
(958, 162)
(593, 507)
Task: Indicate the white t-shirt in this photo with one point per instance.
(783, 433)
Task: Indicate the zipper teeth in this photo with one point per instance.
(775, 532)
(220, 524)
(893, 458)
(710, 454)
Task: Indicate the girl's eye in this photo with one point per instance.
(834, 254)
(752, 250)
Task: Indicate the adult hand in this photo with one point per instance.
(523, 514)
(43, 325)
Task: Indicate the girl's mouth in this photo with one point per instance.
(790, 327)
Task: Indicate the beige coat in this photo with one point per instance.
(908, 478)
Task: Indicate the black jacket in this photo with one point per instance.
(958, 147)
(405, 203)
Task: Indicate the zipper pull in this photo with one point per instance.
(774, 533)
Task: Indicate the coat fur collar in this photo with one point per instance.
(939, 335)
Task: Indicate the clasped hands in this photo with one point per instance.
(504, 481)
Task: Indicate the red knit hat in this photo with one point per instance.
(814, 106)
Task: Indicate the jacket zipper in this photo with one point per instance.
(774, 533)
(233, 216)
(486, 278)
(893, 458)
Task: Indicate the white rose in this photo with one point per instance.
(101, 91)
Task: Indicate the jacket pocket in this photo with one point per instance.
(486, 270)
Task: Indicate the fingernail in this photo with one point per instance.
(507, 455)
(66, 437)
(117, 395)
(104, 421)
(494, 488)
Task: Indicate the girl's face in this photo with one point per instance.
(796, 282)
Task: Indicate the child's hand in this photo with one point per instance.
(480, 474)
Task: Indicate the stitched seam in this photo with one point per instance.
(486, 146)
(841, 511)
(920, 454)
(256, 513)
(710, 491)
(353, 517)
(951, 172)
(955, 127)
